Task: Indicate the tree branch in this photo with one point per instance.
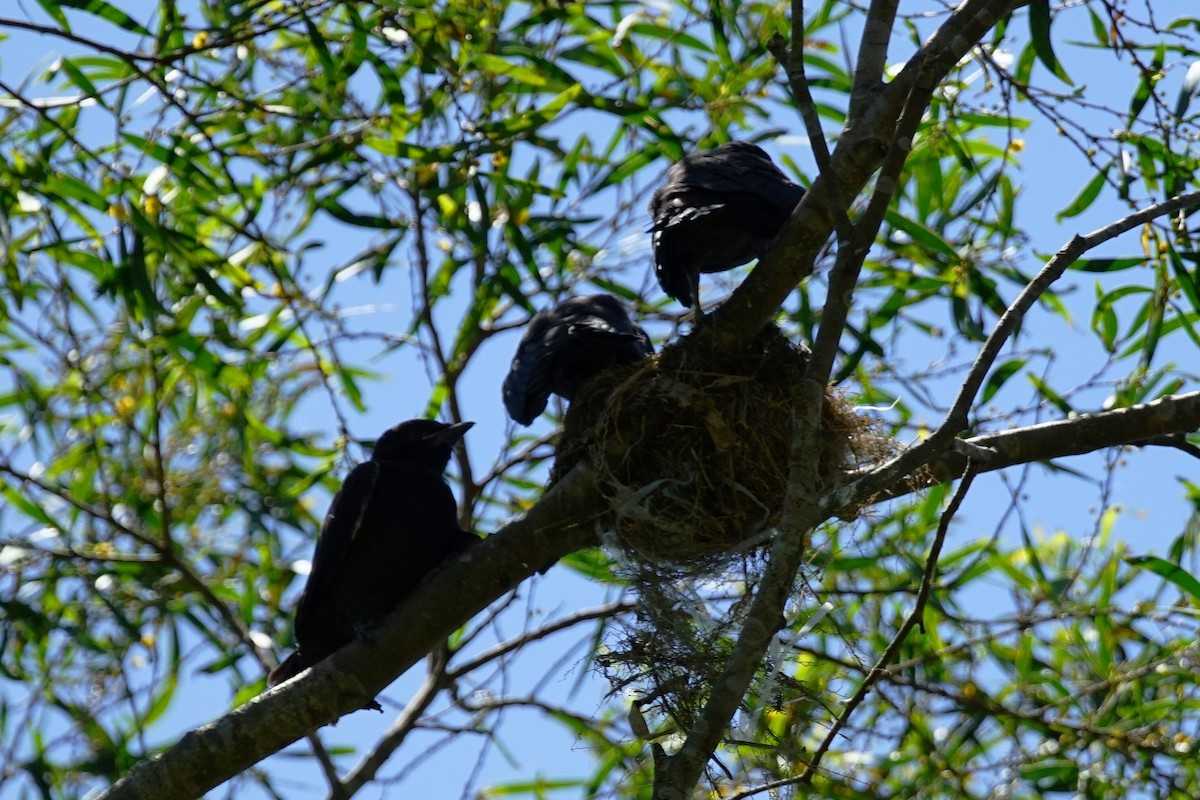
(559, 524)
(792, 61)
(852, 250)
(910, 622)
(676, 776)
(366, 769)
(859, 153)
(872, 55)
(956, 419)
(1086, 433)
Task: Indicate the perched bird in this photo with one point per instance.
(392, 522)
(717, 210)
(567, 345)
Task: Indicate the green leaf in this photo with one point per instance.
(1187, 280)
(1104, 322)
(923, 236)
(999, 376)
(54, 9)
(1145, 89)
(630, 165)
(1039, 30)
(105, 11)
(1086, 196)
(1108, 264)
(517, 72)
(1053, 397)
(1099, 29)
(1172, 572)
(19, 498)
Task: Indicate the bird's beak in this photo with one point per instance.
(451, 434)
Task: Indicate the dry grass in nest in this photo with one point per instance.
(693, 449)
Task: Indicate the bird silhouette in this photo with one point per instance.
(567, 345)
(393, 521)
(717, 210)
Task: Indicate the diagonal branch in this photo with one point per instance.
(1055, 267)
(956, 419)
(872, 55)
(910, 622)
(366, 770)
(852, 250)
(859, 153)
(561, 523)
(792, 60)
(439, 677)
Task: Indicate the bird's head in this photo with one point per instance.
(423, 441)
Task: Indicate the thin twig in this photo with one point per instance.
(852, 250)
(913, 619)
(1055, 267)
(957, 418)
(676, 776)
(365, 771)
(1177, 440)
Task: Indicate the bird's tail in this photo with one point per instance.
(292, 666)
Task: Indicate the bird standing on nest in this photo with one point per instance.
(565, 346)
(393, 521)
(718, 209)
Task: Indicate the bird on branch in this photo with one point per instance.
(717, 210)
(393, 521)
(567, 345)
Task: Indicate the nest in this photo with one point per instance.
(693, 449)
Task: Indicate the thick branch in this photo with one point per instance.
(440, 676)
(872, 54)
(858, 155)
(560, 524)
(852, 250)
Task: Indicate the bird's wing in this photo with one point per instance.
(671, 215)
(734, 175)
(643, 345)
(592, 329)
(458, 541)
(426, 518)
(776, 189)
(338, 531)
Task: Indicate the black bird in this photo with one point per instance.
(392, 522)
(565, 346)
(717, 210)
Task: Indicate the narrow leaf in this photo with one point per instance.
(1172, 572)
(1039, 29)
